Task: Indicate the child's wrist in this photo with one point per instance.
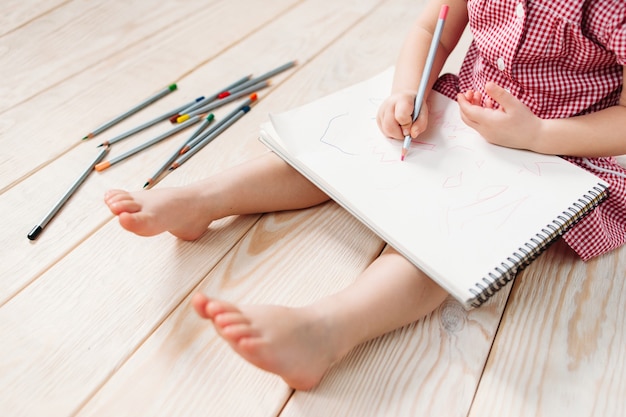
(541, 140)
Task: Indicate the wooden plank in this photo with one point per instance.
(22, 260)
(429, 368)
(185, 369)
(561, 347)
(17, 13)
(76, 36)
(69, 330)
(52, 123)
(37, 193)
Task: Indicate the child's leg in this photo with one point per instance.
(300, 344)
(261, 185)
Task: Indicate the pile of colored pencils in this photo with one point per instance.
(182, 117)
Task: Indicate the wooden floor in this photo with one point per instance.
(95, 321)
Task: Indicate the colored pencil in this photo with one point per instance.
(152, 122)
(421, 90)
(70, 191)
(210, 98)
(265, 76)
(106, 164)
(194, 142)
(227, 99)
(206, 139)
(142, 105)
(176, 154)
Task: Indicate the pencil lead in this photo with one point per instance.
(147, 183)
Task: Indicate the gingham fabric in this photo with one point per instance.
(561, 58)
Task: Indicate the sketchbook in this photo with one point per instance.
(468, 213)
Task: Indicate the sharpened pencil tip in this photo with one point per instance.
(147, 183)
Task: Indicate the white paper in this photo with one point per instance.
(457, 206)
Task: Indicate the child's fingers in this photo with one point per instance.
(403, 115)
(477, 98)
(420, 123)
(387, 124)
(473, 97)
(499, 95)
(469, 112)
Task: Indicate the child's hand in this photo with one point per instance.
(395, 116)
(511, 124)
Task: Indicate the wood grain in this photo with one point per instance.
(118, 81)
(312, 253)
(16, 13)
(561, 348)
(85, 211)
(75, 37)
(95, 321)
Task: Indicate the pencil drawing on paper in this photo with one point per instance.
(353, 132)
(337, 136)
(491, 202)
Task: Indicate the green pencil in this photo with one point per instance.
(143, 104)
(209, 119)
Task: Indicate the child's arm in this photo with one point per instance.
(395, 114)
(602, 133)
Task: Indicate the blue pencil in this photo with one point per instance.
(202, 141)
(176, 154)
(421, 90)
(208, 99)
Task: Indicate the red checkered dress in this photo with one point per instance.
(561, 58)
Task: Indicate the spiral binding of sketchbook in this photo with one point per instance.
(524, 255)
(459, 208)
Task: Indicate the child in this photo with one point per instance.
(543, 75)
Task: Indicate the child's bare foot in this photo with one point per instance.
(293, 343)
(150, 212)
